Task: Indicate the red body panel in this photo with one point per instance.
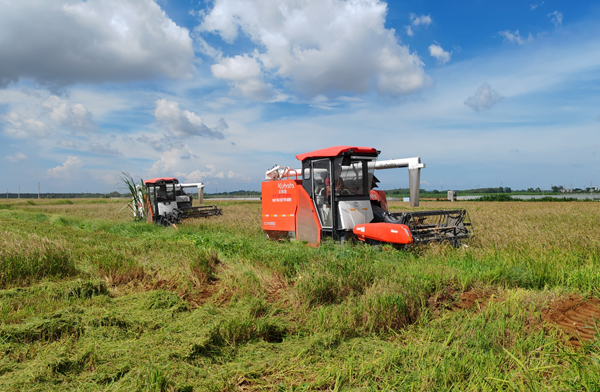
(384, 232)
(286, 207)
(379, 196)
(335, 151)
(279, 205)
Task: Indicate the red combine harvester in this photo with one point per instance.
(168, 203)
(332, 195)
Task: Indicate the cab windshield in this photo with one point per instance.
(352, 176)
(162, 191)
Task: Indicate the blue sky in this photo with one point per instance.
(487, 93)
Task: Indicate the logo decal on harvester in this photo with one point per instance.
(286, 185)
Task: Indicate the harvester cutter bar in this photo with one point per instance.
(201, 212)
(439, 226)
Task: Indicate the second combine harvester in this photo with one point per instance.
(332, 195)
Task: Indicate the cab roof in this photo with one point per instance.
(336, 151)
(161, 179)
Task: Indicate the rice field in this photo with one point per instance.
(90, 300)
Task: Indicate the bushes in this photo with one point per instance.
(496, 197)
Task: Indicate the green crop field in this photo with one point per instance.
(90, 300)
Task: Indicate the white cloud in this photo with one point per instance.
(184, 123)
(22, 127)
(68, 41)
(237, 68)
(415, 21)
(168, 162)
(440, 54)
(66, 170)
(484, 98)
(423, 20)
(75, 117)
(314, 47)
(16, 157)
(556, 18)
(246, 75)
(515, 37)
(534, 6)
(199, 175)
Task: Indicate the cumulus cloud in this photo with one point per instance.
(16, 157)
(212, 172)
(184, 123)
(66, 170)
(62, 42)
(484, 98)
(442, 57)
(169, 160)
(314, 47)
(515, 37)
(556, 18)
(245, 74)
(75, 117)
(22, 127)
(423, 20)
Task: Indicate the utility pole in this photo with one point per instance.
(7, 193)
(38, 190)
(19, 194)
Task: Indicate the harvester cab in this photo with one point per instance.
(332, 195)
(168, 203)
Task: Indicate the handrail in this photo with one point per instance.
(287, 173)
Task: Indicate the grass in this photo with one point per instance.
(90, 300)
(30, 258)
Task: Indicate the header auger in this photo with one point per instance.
(332, 195)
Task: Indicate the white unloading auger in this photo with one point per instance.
(414, 174)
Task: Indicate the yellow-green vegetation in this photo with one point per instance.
(90, 300)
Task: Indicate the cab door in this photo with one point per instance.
(322, 191)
